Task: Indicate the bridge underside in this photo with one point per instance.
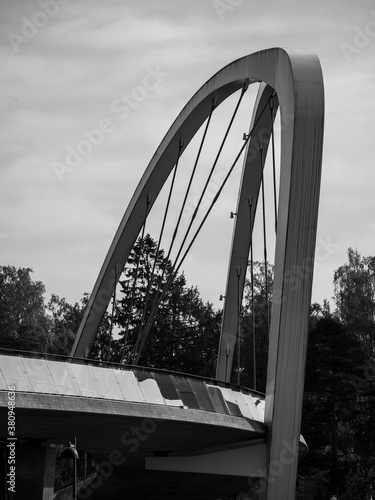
(123, 437)
(138, 483)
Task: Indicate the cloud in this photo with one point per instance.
(65, 79)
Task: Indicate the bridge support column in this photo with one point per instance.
(35, 471)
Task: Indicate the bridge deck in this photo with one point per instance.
(121, 415)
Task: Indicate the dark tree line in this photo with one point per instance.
(339, 400)
(27, 322)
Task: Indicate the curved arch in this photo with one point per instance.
(296, 77)
(282, 69)
(260, 127)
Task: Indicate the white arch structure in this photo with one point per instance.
(295, 77)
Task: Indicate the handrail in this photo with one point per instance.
(106, 364)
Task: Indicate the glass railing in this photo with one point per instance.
(50, 374)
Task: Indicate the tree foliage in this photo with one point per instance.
(23, 322)
(330, 409)
(339, 400)
(65, 322)
(182, 336)
(354, 289)
(255, 317)
(26, 322)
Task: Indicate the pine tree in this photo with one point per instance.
(182, 335)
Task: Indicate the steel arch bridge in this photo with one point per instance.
(291, 81)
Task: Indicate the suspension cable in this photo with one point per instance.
(148, 202)
(185, 198)
(239, 327)
(175, 268)
(244, 88)
(182, 208)
(159, 244)
(221, 187)
(252, 294)
(264, 235)
(112, 317)
(191, 178)
(212, 204)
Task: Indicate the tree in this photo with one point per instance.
(330, 410)
(354, 289)
(23, 321)
(26, 323)
(255, 317)
(65, 323)
(354, 284)
(182, 336)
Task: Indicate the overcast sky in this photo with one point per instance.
(64, 68)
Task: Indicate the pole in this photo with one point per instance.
(75, 473)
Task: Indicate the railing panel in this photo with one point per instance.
(243, 405)
(86, 380)
(230, 400)
(202, 395)
(250, 401)
(63, 378)
(218, 399)
(109, 385)
(186, 392)
(129, 386)
(14, 373)
(149, 387)
(261, 406)
(39, 375)
(168, 389)
(3, 384)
